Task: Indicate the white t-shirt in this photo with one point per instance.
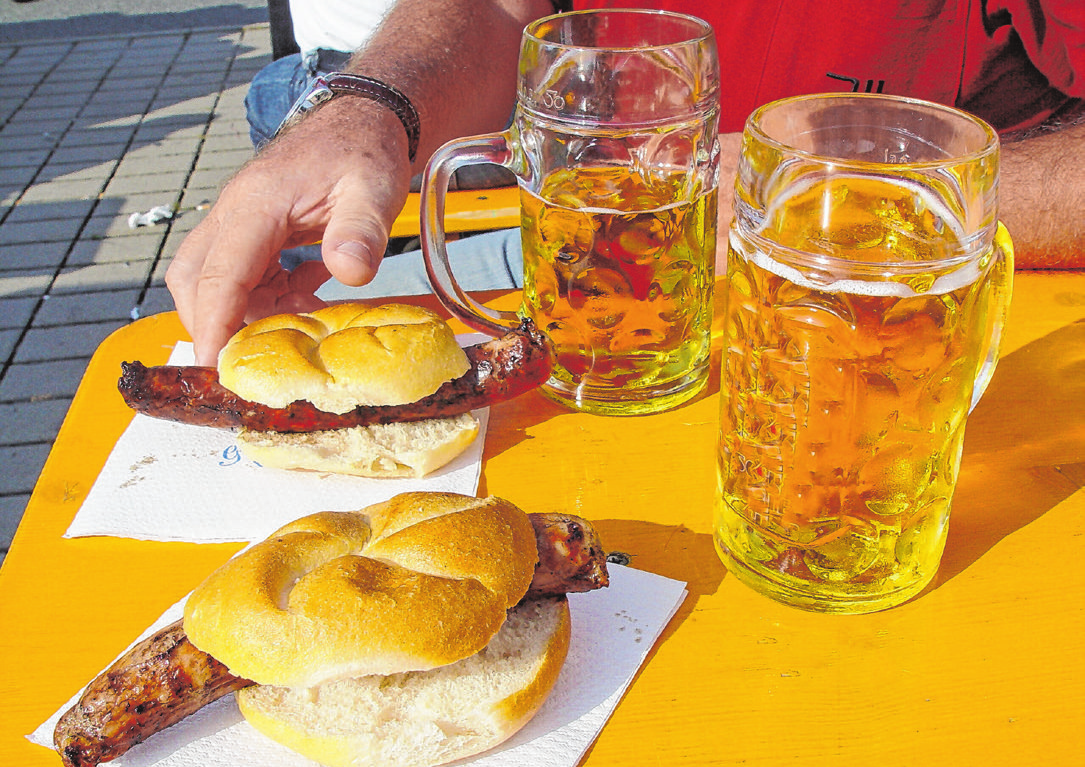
(338, 25)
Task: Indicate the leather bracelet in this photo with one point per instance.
(326, 87)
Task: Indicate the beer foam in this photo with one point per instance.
(884, 283)
(885, 280)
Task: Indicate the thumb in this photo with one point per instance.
(357, 233)
(353, 249)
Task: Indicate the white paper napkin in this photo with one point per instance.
(613, 631)
(167, 481)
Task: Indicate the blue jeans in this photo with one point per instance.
(277, 86)
(488, 261)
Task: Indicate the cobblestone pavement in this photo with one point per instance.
(92, 131)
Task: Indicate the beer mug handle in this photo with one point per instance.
(489, 148)
(1001, 292)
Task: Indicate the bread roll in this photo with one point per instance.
(416, 582)
(423, 718)
(342, 356)
(410, 449)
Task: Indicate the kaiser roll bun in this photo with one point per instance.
(423, 718)
(405, 449)
(416, 582)
(342, 356)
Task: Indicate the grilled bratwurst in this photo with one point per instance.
(501, 369)
(165, 678)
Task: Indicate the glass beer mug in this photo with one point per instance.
(868, 282)
(614, 146)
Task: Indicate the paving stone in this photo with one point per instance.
(31, 141)
(103, 251)
(99, 172)
(113, 276)
(34, 255)
(20, 176)
(151, 49)
(32, 421)
(156, 301)
(90, 154)
(110, 110)
(44, 211)
(11, 102)
(56, 379)
(173, 242)
(227, 158)
(164, 181)
(228, 125)
(23, 464)
(25, 282)
(197, 199)
(232, 103)
(11, 513)
(22, 159)
(8, 339)
(23, 127)
(213, 58)
(9, 195)
(140, 83)
(65, 342)
(119, 136)
(48, 230)
(18, 78)
(154, 130)
(71, 308)
(88, 69)
(186, 221)
(186, 145)
(199, 92)
(151, 161)
(158, 273)
(70, 102)
(45, 54)
(93, 123)
(241, 78)
(53, 191)
(15, 313)
(210, 178)
(61, 87)
(233, 141)
(93, 47)
(34, 117)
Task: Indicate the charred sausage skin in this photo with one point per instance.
(500, 369)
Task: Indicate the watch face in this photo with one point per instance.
(319, 95)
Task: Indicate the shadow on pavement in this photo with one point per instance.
(113, 23)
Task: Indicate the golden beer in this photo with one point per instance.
(618, 272)
(846, 390)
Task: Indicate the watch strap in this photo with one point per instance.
(328, 86)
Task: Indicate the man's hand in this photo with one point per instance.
(328, 180)
(341, 175)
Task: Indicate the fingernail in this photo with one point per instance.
(358, 251)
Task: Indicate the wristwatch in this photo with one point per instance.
(327, 87)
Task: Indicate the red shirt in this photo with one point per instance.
(1012, 62)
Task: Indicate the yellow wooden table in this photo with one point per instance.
(987, 668)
